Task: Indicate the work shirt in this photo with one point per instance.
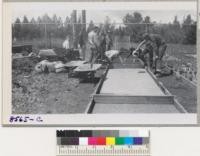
(157, 39)
(93, 39)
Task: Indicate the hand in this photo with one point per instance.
(134, 53)
(156, 57)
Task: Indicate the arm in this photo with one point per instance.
(129, 55)
(141, 44)
(138, 47)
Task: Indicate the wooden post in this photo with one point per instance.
(146, 26)
(74, 21)
(45, 34)
(84, 20)
(83, 29)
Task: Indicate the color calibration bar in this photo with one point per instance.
(103, 142)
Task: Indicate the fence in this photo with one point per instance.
(48, 35)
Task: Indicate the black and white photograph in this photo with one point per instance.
(103, 61)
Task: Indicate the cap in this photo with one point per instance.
(146, 36)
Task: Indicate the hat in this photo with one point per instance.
(146, 36)
(96, 27)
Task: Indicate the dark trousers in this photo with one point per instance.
(160, 51)
(143, 54)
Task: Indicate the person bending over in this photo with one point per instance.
(154, 44)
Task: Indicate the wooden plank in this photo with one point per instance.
(134, 108)
(87, 68)
(91, 104)
(23, 57)
(121, 99)
(179, 106)
(72, 64)
(166, 91)
(160, 84)
(130, 82)
(22, 47)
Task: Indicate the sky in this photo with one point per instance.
(159, 12)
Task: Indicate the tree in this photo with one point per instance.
(40, 27)
(90, 26)
(33, 29)
(33, 21)
(25, 20)
(134, 25)
(16, 29)
(54, 19)
(46, 19)
(147, 19)
(176, 22)
(189, 30)
(188, 20)
(107, 24)
(39, 20)
(25, 28)
(68, 26)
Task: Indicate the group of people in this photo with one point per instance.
(95, 43)
(155, 47)
(99, 43)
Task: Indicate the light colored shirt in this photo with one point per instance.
(93, 38)
(66, 44)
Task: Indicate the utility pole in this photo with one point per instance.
(74, 21)
(45, 34)
(84, 20)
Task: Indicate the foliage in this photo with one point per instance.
(134, 25)
(174, 32)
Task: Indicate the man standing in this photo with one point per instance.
(66, 43)
(93, 45)
(108, 41)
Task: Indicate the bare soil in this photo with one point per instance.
(185, 93)
(47, 93)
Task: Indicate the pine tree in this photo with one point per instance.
(16, 29)
(90, 26)
(25, 31)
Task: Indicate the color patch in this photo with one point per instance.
(128, 141)
(119, 141)
(110, 141)
(92, 141)
(145, 140)
(138, 141)
(101, 141)
(69, 141)
(83, 141)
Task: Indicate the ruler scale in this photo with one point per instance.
(103, 143)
